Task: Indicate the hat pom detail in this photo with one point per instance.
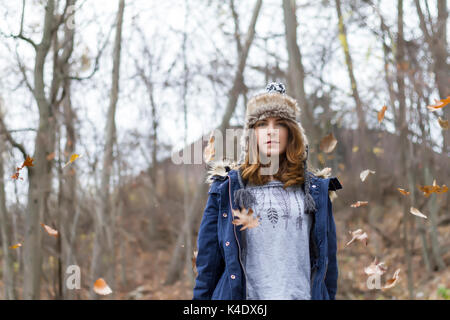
(276, 87)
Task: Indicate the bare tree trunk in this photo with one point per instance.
(5, 229)
(40, 174)
(103, 252)
(403, 144)
(296, 72)
(362, 127)
(434, 233)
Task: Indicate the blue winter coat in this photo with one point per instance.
(221, 275)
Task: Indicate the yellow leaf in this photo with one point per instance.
(377, 151)
(16, 246)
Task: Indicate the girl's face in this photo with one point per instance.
(271, 136)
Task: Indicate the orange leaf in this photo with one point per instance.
(100, 287)
(439, 104)
(28, 162)
(381, 114)
(359, 204)
(403, 191)
(50, 230)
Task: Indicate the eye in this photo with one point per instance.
(260, 124)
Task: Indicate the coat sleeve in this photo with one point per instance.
(209, 260)
(332, 270)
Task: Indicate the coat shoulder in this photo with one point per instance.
(219, 170)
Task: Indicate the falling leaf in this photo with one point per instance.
(403, 191)
(245, 218)
(16, 176)
(50, 230)
(72, 159)
(377, 151)
(28, 162)
(51, 156)
(375, 268)
(391, 282)
(428, 190)
(100, 287)
(439, 104)
(358, 235)
(328, 143)
(210, 151)
(381, 114)
(359, 204)
(416, 212)
(16, 246)
(355, 149)
(363, 175)
(443, 123)
(194, 260)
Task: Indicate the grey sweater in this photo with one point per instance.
(276, 253)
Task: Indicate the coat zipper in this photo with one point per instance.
(234, 227)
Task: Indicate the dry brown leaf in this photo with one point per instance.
(210, 151)
(359, 204)
(428, 190)
(358, 235)
(375, 268)
(50, 230)
(393, 281)
(100, 287)
(403, 191)
(328, 143)
(416, 212)
(443, 123)
(381, 114)
(245, 218)
(363, 175)
(194, 260)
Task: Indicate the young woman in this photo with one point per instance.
(289, 252)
